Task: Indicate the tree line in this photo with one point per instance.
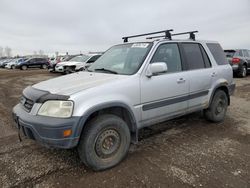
(5, 52)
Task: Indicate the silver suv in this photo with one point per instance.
(133, 85)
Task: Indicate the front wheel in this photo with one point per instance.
(104, 142)
(218, 107)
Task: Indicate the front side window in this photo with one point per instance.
(193, 56)
(93, 58)
(169, 54)
(122, 59)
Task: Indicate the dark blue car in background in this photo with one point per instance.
(42, 63)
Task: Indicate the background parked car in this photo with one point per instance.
(77, 63)
(4, 62)
(12, 64)
(59, 59)
(239, 59)
(33, 63)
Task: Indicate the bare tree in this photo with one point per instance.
(8, 51)
(41, 52)
(1, 51)
(35, 53)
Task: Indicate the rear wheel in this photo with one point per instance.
(105, 142)
(24, 67)
(242, 71)
(12, 67)
(218, 107)
(44, 66)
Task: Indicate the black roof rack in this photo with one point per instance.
(191, 35)
(167, 35)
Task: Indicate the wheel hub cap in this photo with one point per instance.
(107, 143)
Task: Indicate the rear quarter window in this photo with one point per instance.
(217, 53)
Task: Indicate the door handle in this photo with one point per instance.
(181, 80)
(213, 74)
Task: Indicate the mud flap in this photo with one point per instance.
(20, 132)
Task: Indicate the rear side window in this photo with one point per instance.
(217, 53)
(193, 56)
(245, 52)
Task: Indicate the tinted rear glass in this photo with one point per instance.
(194, 57)
(217, 53)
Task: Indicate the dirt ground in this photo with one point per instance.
(186, 152)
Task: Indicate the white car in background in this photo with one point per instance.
(77, 63)
(12, 64)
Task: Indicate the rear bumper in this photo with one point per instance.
(47, 131)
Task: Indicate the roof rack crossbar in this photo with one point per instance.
(191, 34)
(167, 35)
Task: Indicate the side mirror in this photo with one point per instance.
(156, 68)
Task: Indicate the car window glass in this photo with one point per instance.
(93, 58)
(245, 53)
(193, 56)
(168, 53)
(217, 53)
(205, 57)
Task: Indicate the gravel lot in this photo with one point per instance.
(186, 152)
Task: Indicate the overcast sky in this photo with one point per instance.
(90, 25)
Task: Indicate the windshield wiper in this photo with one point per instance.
(106, 70)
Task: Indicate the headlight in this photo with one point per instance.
(61, 109)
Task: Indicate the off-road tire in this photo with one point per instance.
(218, 107)
(242, 71)
(92, 148)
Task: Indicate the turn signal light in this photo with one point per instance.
(67, 133)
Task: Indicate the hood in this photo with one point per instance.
(69, 63)
(73, 83)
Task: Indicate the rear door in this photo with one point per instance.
(200, 74)
(31, 62)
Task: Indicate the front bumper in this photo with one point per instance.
(48, 131)
(59, 69)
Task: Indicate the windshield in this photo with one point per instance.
(231, 53)
(122, 59)
(81, 58)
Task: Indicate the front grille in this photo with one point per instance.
(27, 103)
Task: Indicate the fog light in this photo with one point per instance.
(67, 133)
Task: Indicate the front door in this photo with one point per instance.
(165, 95)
